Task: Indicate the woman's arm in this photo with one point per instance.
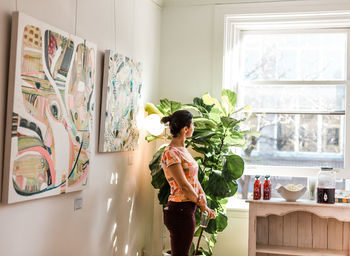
(203, 206)
(177, 172)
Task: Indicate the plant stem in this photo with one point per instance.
(199, 239)
(222, 144)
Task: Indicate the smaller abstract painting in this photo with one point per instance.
(120, 99)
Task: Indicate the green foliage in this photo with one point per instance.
(217, 131)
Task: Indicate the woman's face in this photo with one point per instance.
(189, 130)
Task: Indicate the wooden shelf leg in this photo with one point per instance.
(252, 230)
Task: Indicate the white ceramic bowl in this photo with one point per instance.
(289, 195)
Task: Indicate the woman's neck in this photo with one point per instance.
(178, 141)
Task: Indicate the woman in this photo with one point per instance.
(181, 172)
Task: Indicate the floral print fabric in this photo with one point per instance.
(179, 155)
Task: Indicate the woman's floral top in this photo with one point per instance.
(179, 155)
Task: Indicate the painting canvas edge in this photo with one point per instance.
(101, 141)
(9, 109)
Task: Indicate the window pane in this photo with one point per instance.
(304, 56)
(296, 140)
(307, 133)
(294, 97)
(331, 129)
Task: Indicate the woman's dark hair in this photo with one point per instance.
(178, 120)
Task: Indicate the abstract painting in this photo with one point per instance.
(120, 100)
(49, 112)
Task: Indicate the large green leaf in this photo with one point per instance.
(219, 187)
(198, 231)
(229, 122)
(200, 173)
(217, 225)
(235, 139)
(201, 106)
(151, 138)
(154, 165)
(221, 221)
(208, 100)
(211, 228)
(200, 149)
(233, 167)
(203, 123)
(202, 134)
(213, 203)
(152, 109)
(229, 98)
(163, 194)
(158, 178)
(167, 107)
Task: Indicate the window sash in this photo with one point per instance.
(232, 59)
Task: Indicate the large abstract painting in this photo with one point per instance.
(120, 100)
(50, 111)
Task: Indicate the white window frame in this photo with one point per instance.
(234, 25)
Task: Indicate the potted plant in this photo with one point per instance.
(217, 133)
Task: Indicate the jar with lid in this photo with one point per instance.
(326, 186)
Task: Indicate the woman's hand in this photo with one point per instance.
(211, 213)
(202, 201)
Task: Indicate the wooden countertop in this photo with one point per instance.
(300, 202)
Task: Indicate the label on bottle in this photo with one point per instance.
(267, 192)
(257, 191)
(326, 195)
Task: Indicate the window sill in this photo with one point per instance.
(235, 204)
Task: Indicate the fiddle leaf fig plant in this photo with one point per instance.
(217, 132)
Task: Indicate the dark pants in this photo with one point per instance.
(179, 218)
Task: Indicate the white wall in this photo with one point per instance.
(50, 226)
(186, 52)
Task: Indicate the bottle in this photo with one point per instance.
(326, 186)
(257, 188)
(267, 188)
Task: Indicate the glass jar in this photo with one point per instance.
(326, 186)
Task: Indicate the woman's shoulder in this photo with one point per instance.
(171, 149)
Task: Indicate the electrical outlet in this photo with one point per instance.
(78, 203)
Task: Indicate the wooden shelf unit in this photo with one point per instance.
(277, 227)
(295, 251)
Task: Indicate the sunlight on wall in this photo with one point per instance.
(114, 178)
(115, 241)
(109, 204)
(126, 249)
(131, 208)
(113, 231)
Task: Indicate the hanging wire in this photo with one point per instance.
(115, 26)
(76, 17)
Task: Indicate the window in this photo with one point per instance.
(294, 78)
